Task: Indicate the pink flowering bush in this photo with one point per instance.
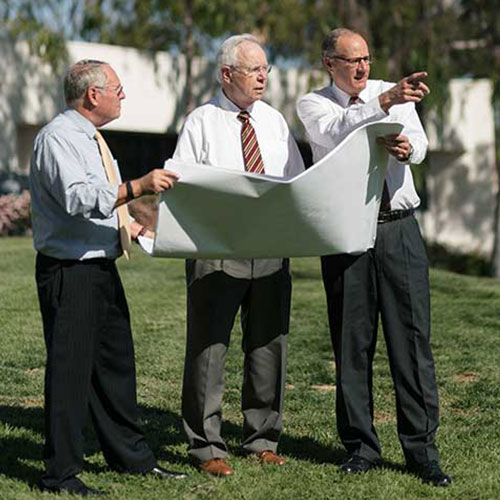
(15, 214)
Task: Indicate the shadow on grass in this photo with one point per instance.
(392, 466)
(18, 450)
(159, 424)
(163, 430)
(309, 450)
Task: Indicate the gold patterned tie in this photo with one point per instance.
(122, 210)
(385, 203)
(251, 152)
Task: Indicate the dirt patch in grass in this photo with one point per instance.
(465, 413)
(33, 402)
(323, 387)
(383, 417)
(33, 371)
(466, 377)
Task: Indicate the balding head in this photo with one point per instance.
(80, 76)
(330, 42)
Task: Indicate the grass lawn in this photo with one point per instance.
(465, 338)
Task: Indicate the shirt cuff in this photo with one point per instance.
(376, 106)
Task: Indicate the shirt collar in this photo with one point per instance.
(343, 97)
(228, 105)
(80, 121)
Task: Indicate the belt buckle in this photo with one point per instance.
(393, 215)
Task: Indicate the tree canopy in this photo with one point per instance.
(446, 38)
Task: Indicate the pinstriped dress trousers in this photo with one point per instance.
(90, 367)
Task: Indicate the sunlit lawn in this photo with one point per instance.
(466, 325)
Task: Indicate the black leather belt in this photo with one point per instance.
(101, 261)
(392, 215)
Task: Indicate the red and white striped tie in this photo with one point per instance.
(251, 152)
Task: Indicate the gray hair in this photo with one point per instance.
(329, 45)
(80, 76)
(227, 55)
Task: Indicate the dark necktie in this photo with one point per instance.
(385, 204)
(251, 152)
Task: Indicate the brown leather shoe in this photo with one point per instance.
(269, 457)
(216, 467)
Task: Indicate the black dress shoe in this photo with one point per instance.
(430, 472)
(161, 473)
(357, 465)
(73, 485)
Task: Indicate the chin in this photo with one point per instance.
(361, 84)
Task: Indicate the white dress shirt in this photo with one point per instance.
(328, 119)
(211, 135)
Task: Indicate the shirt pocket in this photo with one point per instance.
(275, 155)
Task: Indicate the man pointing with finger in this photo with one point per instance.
(390, 279)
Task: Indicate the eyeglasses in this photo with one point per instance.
(355, 61)
(253, 71)
(118, 89)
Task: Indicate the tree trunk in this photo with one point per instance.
(495, 254)
(189, 55)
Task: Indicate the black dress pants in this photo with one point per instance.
(90, 367)
(390, 279)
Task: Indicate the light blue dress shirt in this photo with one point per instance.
(73, 213)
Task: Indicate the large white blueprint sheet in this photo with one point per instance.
(330, 208)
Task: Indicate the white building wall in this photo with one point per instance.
(154, 85)
(461, 182)
(462, 179)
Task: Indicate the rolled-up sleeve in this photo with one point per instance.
(78, 192)
(415, 132)
(327, 123)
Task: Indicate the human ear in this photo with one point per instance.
(92, 95)
(328, 64)
(226, 75)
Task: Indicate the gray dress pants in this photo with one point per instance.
(212, 304)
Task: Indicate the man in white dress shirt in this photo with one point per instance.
(392, 278)
(236, 130)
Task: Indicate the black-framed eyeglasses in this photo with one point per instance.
(253, 71)
(355, 61)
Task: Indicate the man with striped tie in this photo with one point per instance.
(392, 278)
(237, 130)
(80, 227)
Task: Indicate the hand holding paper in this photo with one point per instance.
(330, 208)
